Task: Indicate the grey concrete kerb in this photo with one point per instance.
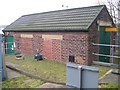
(52, 85)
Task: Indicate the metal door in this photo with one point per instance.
(9, 44)
(104, 39)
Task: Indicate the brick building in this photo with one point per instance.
(63, 33)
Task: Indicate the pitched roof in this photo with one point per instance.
(69, 19)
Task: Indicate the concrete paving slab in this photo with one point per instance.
(13, 74)
(110, 78)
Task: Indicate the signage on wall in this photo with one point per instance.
(26, 36)
(104, 23)
(111, 29)
(60, 37)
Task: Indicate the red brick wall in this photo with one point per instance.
(47, 49)
(37, 42)
(93, 38)
(73, 43)
(28, 50)
(56, 49)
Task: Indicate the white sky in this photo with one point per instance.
(10, 10)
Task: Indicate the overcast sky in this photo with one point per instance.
(10, 10)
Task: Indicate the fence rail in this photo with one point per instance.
(106, 45)
(112, 56)
(106, 55)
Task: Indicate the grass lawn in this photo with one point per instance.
(50, 70)
(46, 69)
(110, 86)
(21, 82)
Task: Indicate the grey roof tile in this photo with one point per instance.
(73, 19)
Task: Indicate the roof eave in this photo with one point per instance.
(56, 30)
